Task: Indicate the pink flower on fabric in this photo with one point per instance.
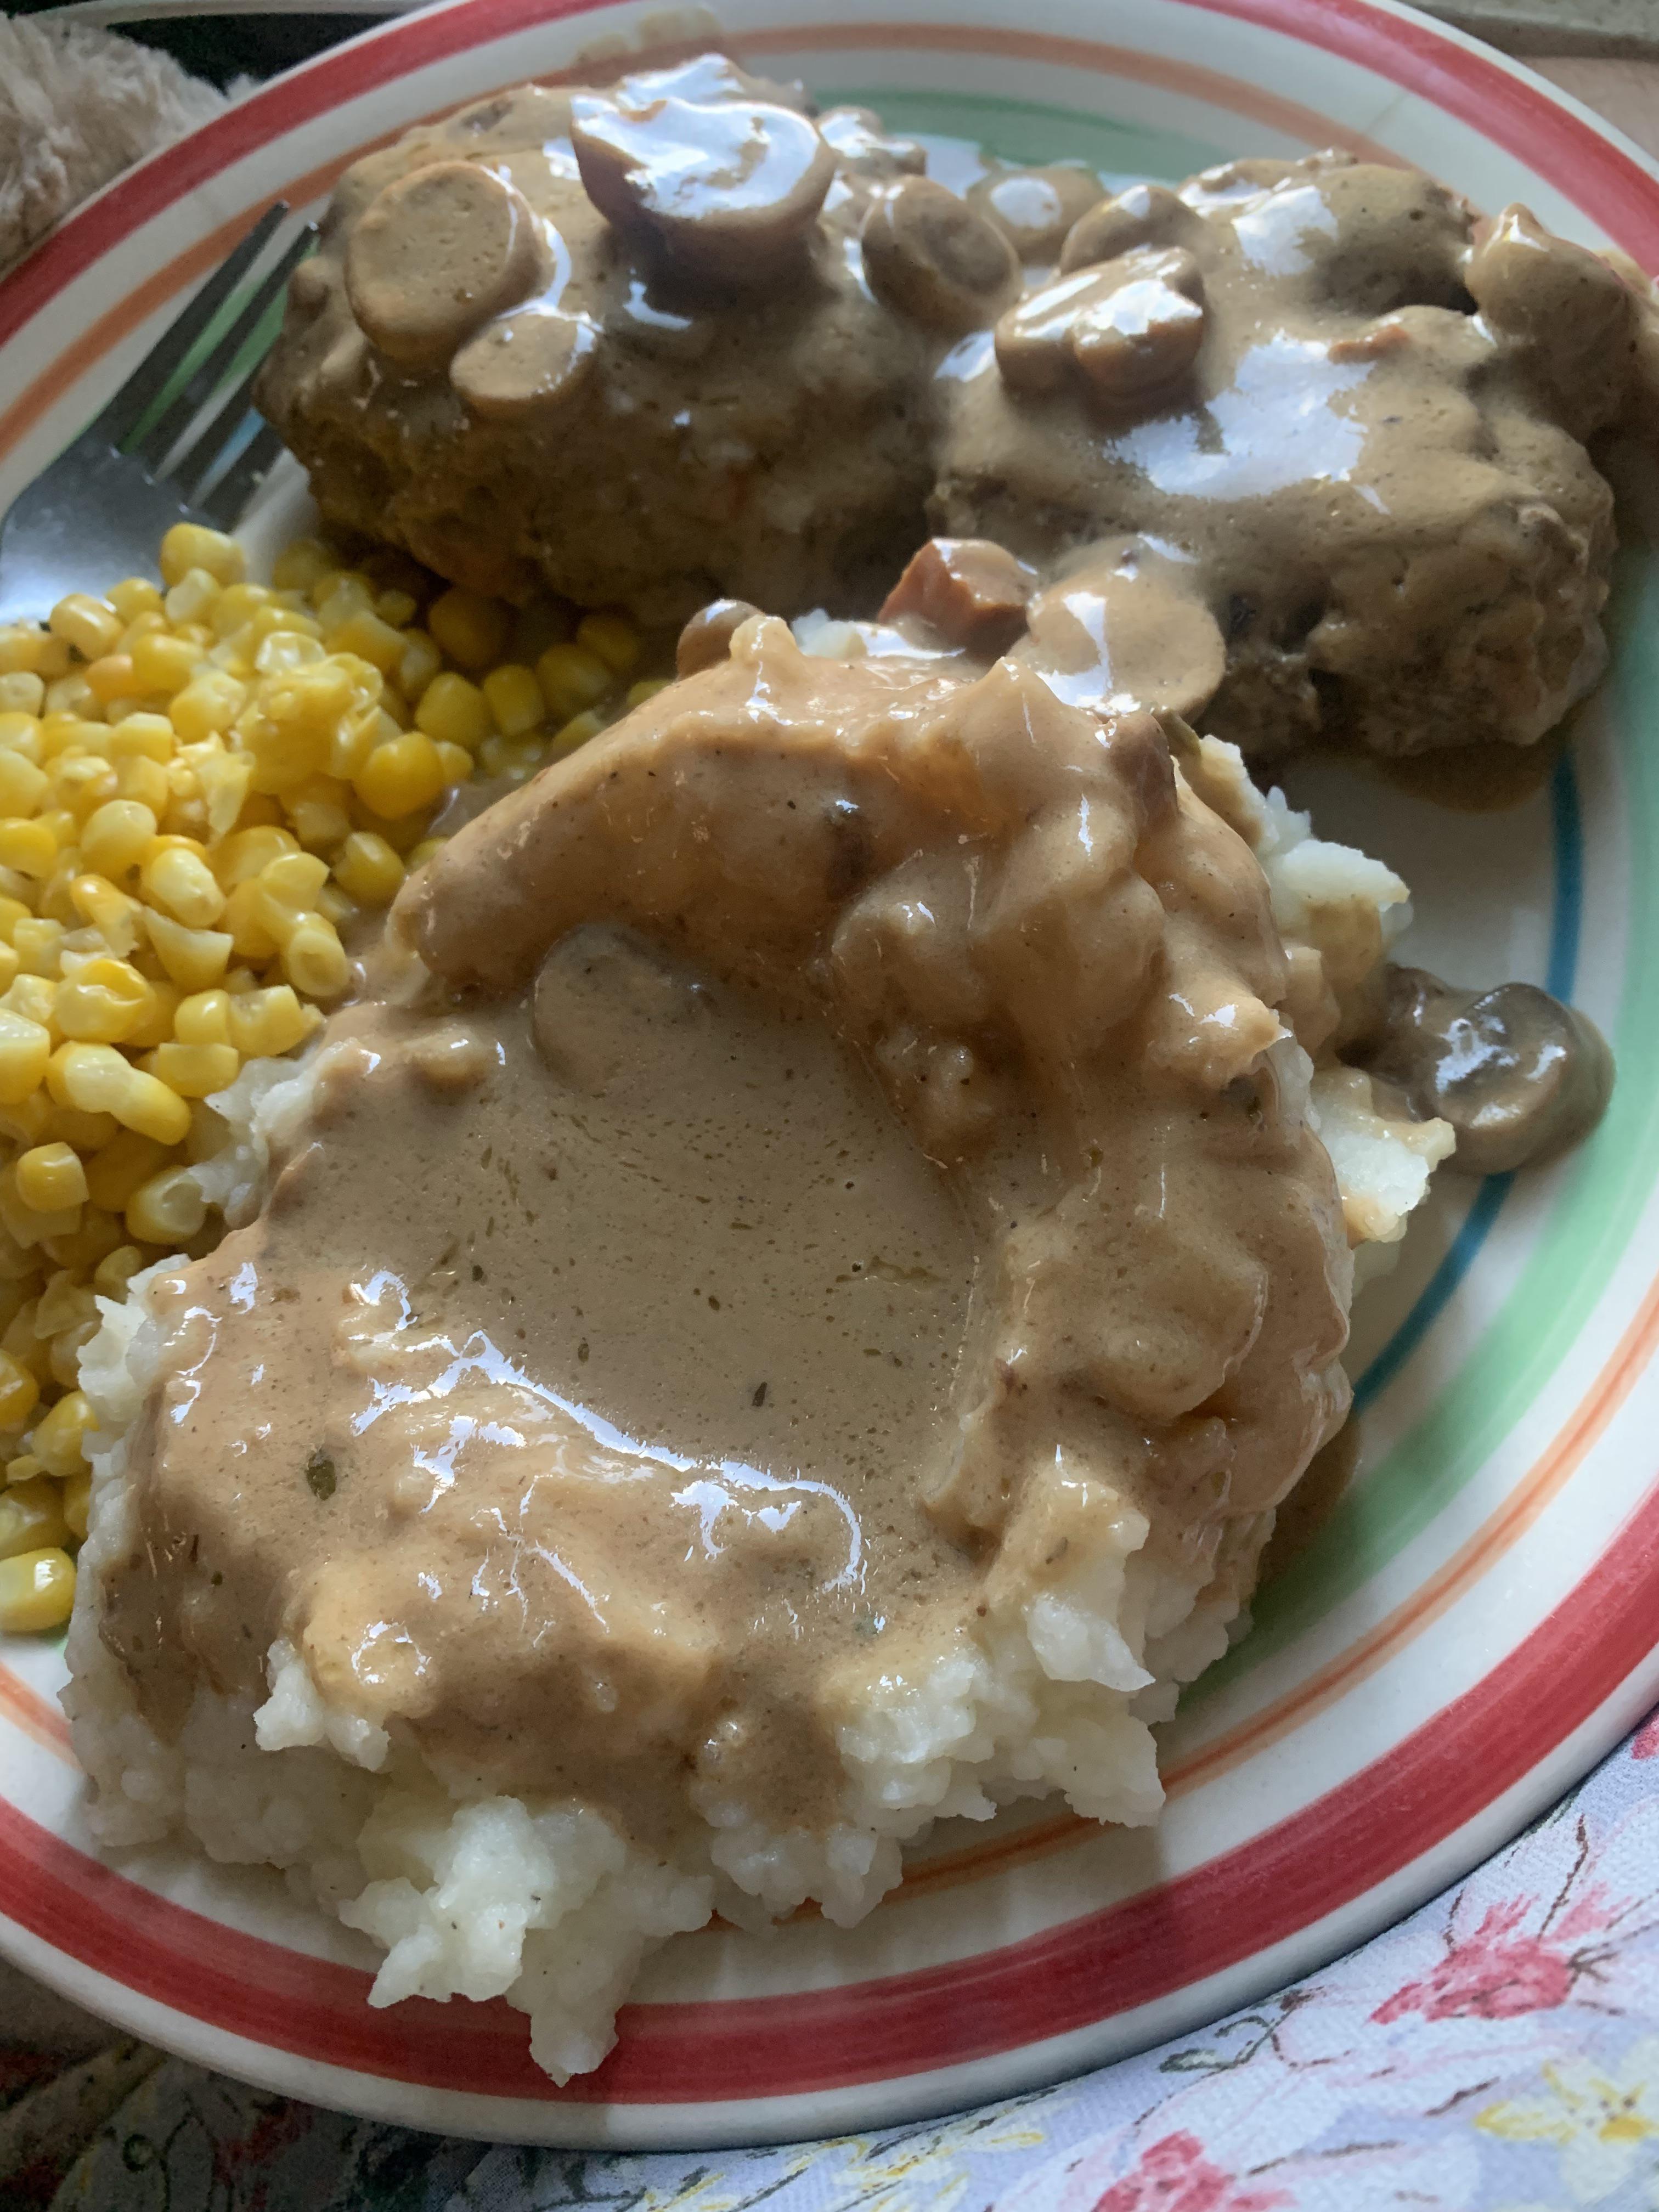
(1646, 1745)
(1493, 1973)
(1173, 2175)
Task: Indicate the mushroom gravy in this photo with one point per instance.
(678, 337)
(834, 1159)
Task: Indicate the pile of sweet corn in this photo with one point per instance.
(203, 785)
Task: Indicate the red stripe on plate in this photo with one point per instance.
(1231, 1909)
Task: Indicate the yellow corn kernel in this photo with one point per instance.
(206, 707)
(418, 855)
(24, 1468)
(472, 630)
(194, 959)
(518, 758)
(181, 881)
(577, 732)
(117, 1171)
(9, 967)
(39, 946)
(397, 608)
(135, 596)
(647, 688)
(314, 959)
(103, 1002)
(21, 733)
(194, 1071)
(420, 663)
(245, 926)
(27, 1225)
(399, 777)
(20, 1393)
(31, 1518)
(31, 996)
(57, 1442)
(453, 710)
(515, 697)
(169, 1209)
(96, 1078)
(28, 846)
(111, 678)
(225, 779)
(25, 1049)
(22, 786)
(203, 1018)
(301, 564)
(367, 869)
(12, 911)
(87, 1132)
(64, 829)
(320, 811)
(245, 853)
(116, 1270)
(163, 663)
(190, 546)
(287, 653)
(37, 1591)
(63, 1304)
(112, 914)
(142, 736)
(86, 624)
(22, 694)
(73, 695)
(456, 762)
(292, 880)
(355, 736)
(190, 606)
(75, 1504)
(613, 638)
(572, 678)
(117, 836)
(365, 633)
(265, 1023)
(143, 783)
(22, 651)
(50, 1178)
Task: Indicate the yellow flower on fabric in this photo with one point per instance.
(1600, 2121)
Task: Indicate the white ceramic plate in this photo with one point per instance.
(1471, 1628)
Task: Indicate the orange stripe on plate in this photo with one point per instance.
(35, 1716)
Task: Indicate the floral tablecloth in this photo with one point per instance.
(1496, 2052)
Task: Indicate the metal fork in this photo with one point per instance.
(99, 512)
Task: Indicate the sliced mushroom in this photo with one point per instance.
(525, 364)
(930, 257)
(1035, 208)
(729, 189)
(1145, 215)
(707, 638)
(1131, 327)
(1519, 1076)
(436, 253)
(972, 593)
(1126, 626)
(864, 149)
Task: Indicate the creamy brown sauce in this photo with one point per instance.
(1332, 424)
(832, 1165)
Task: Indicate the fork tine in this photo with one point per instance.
(192, 469)
(159, 441)
(224, 503)
(152, 372)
